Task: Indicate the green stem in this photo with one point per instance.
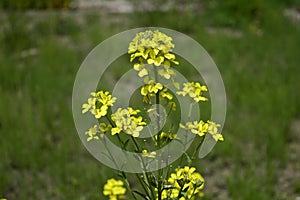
(147, 179)
(135, 144)
(189, 118)
(128, 185)
(190, 111)
(143, 184)
(123, 174)
(113, 125)
(196, 151)
(157, 101)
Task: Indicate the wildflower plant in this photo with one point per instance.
(152, 57)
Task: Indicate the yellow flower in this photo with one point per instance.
(194, 90)
(145, 153)
(153, 48)
(198, 128)
(99, 104)
(126, 121)
(114, 189)
(213, 131)
(152, 88)
(92, 133)
(185, 183)
(104, 127)
(153, 40)
(201, 128)
(101, 129)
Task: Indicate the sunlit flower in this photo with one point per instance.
(194, 90)
(114, 189)
(185, 183)
(126, 121)
(97, 132)
(149, 43)
(152, 48)
(152, 88)
(99, 103)
(166, 94)
(198, 128)
(201, 128)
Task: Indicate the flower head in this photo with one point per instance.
(201, 128)
(97, 132)
(114, 189)
(185, 183)
(213, 131)
(153, 48)
(152, 88)
(126, 121)
(194, 90)
(92, 133)
(150, 40)
(99, 103)
(198, 128)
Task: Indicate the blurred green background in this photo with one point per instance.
(255, 44)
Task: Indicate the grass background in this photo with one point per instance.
(255, 47)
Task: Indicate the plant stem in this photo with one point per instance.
(189, 118)
(157, 101)
(196, 151)
(147, 179)
(128, 185)
(123, 173)
(135, 144)
(143, 184)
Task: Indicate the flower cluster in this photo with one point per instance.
(152, 88)
(99, 104)
(152, 48)
(114, 189)
(194, 90)
(97, 132)
(126, 121)
(201, 128)
(185, 183)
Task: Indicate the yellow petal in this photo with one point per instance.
(143, 72)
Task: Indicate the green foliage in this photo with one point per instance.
(15, 35)
(235, 12)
